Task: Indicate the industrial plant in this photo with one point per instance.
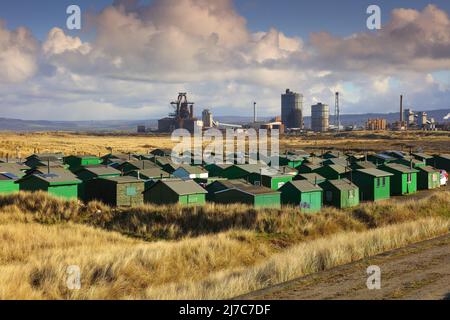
(292, 118)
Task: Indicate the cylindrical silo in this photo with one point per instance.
(320, 115)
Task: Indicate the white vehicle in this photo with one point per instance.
(444, 177)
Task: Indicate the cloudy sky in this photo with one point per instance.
(132, 57)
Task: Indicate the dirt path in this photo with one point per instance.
(419, 271)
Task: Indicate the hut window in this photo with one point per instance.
(329, 196)
(378, 182)
(280, 184)
(384, 181)
(409, 177)
(351, 194)
(434, 177)
(257, 183)
(131, 191)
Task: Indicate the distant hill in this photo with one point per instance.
(131, 125)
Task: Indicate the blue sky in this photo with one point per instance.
(294, 17)
(130, 63)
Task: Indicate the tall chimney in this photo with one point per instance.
(191, 111)
(401, 109)
(254, 112)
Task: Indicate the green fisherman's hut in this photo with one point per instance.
(404, 179)
(302, 194)
(239, 191)
(242, 171)
(76, 162)
(216, 170)
(175, 191)
(8, 183)
(363, 165)
(116, 191)
(373, 184)
(333, 171)
(411, 162)
(441, 162)
(340, 193)
(61, 184)
(308, 167)
(428, 178)
(269, 178)
(88, 173)
(314, 178)
(133, 165)
(291, 160)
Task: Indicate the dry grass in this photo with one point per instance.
(70, 143)
(79, 143)
(215, 252)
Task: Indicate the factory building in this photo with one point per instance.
(292, 110)
(181, 118)
(376, 124)
(320, 117)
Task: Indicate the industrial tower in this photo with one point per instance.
(337, 119)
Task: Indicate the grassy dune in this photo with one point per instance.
(176, 253)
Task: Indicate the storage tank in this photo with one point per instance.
(320, 115)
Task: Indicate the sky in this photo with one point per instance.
(131, 58)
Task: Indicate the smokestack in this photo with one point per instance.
(401, 108)
(191, 111)
(254, 112)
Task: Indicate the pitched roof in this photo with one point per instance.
(152, 172)
(55, 178)
(122, 179)
(428, 169)
(340, 161)
(375, 172)
(192, 169)
(311, 177)
(46, 156)
(366, 164)
(444, 156)
(422, 155)
(244, 187)
(100, 170)
(182, 187)
(400, 168)
(304, 186)
(14, 168)
(338, 168)
(343, 184)
(140, 164)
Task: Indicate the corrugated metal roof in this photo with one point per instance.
(375, 172)
(304, 186)
(445, 156)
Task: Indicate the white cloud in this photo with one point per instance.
(143, 55)
(18, 60)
